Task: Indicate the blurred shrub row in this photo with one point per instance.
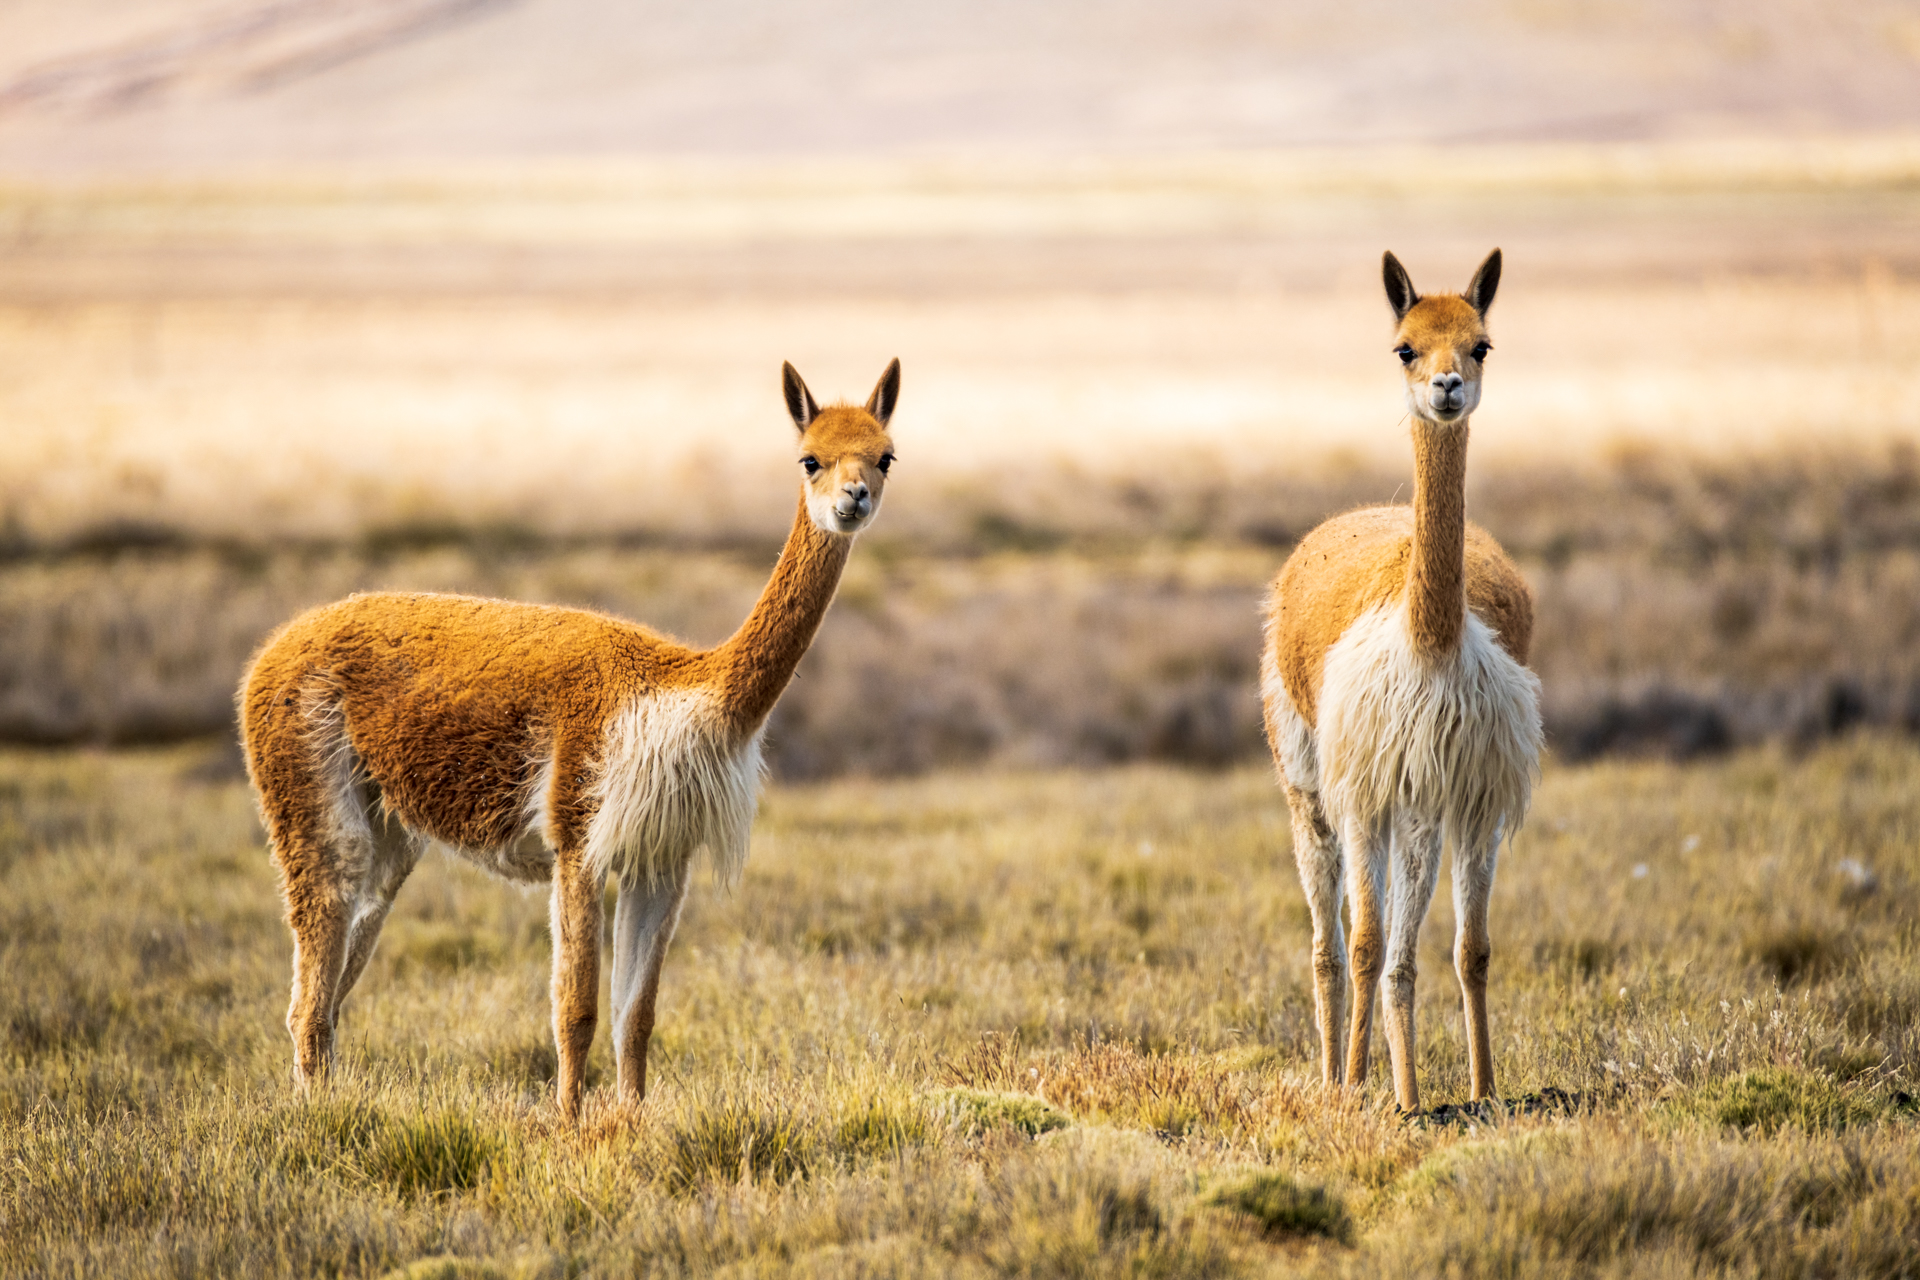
(1685, 606)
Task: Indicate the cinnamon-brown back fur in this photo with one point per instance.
(453, 701)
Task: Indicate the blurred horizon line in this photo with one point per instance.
(1839, 159)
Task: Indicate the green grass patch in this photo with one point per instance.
(1773, 1098)
(1282, 1207)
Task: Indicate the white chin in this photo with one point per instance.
(830, 521)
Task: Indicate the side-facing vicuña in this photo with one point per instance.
(1399, 706)
(543, 744)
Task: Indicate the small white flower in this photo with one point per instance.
(1639, 871)
(1690, 844)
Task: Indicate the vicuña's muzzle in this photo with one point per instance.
(1448, 394)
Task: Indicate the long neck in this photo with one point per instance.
(758, 660)
(1436, 581)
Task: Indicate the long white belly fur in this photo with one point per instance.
(1456, 741)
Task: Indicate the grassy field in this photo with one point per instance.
(1055, 1023)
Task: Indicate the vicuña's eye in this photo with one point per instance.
(1480, 350)
(1405, 353)
(811, 463)
(885, 464)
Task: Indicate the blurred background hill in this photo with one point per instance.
(299, 297)
(91, 85)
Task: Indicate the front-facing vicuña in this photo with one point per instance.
(542, 744)
(1400, 708)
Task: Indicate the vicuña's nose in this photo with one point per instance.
(855, 499)
(1448, 382)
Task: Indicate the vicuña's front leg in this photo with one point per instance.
(1472, 953)
(576, 972)
(643, 923)
(1317, 855)
(1416, 868)
(1366, 850)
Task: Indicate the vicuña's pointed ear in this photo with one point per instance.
(799, 400)
(1399, 286)
(1481, 288)
(885, 393)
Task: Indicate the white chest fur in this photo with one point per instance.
(672, 779)
(1455, 740)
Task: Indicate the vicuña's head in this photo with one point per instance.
(1442, 340)
(845, 451)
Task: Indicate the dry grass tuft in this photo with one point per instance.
(744, 1137)
(436, 1152)
(976, 1113)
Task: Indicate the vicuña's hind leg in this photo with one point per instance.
(576, 921)
(644, 919)
(1366, 849)
(321, 843)
(317, 913)
(395, 854)
(1416, 868)
(1472, 951)
(1317, 854)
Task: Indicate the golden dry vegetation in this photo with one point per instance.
(1051, 1023)
(1684, 605)
(1129, 388)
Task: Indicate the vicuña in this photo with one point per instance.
(543, 744)
(1399, 706)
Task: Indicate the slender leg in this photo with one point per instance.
(395, 854)
(1416, 868)
(317, 912)
(1473, 871)
(1366, 847)
(315, 817)
(644, 919)
(576, 922)
(1317, 854)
